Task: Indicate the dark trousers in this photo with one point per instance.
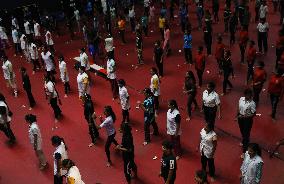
(156, 102)
(210, 114)
(175, 140)
(160, 66)
(35, 64)
(188, 55)
(58, 179)
(132, 23)
(125, 115)
(145, 29)
(30, 97)
(226, 81)
(208, 47)
(278, 53)
(114, 88)
(250, 71)
(191, 99)
(110, 140)
(121, 33)
(55, 107)
(245, 125)
(232, 37)
(52, 50)
(256, 91)
(7, 131)
(211, 165)
(162, 33)
(129, 165)
(274, 99)
(256, 9)
(262, 41)
(93, 131)
(147, 123)
(18, 49)
(66, 87)
(242, 49)
(199, 75)
(226, 22)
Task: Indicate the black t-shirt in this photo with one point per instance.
(168, 163)
(158, 54)
(127, 143)
(26, 82)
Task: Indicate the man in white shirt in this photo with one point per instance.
(263, 10)
(37, 32)
(246, 112)
(124, 100)
(263, 28)
(111, 75)
(16, 40)
(9, 74)
(34, 57)
(109, 46)
(84, 60)
(27, 28)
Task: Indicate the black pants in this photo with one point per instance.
(93, 131)
(210, 114)
(250, 71)
(145, 29)
(58, 179)
(55, 107)
(35, 64)
(7, 131)
(18, 49)
(278, 53)
(242, 49)
(30, 97)
(262, 41)
(191, 99)
(128, 165)
(256, 9)
(245, 125)
(156, 103)
(232, 37)
(147, 123)
(114, 88)
(199, 75)
(160, 66)
(66, 87)
(121, 33)
(274, 99)
(256, 91)
(110, 140)
(226, 81)
(208, 47)
(125, 116)
(226, 22)
(211, 165)
(132, 23)
(162, 33)
(188, 55)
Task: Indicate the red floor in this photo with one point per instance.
(19, 165)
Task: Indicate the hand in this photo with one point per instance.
(118, 147)
(94, 116)
(219, 116)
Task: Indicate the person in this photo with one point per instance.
(251, 57)
(256, 9)
(144, 23)
(219, 53)
(263, 10)
(262, 28)
(227, 16)
(155, 89)
(146, 4)
(111, 75)
(77, 18)
(208, 145)
(276, 91)
(49, 41)
(84, 60)
(59, 155)
(183, 14)
(73, 174)
(24, 46)
(121, 28)
(211, 104)
(27, 87)
(259, 77)
(152, 13)
(34, 55)
(64, 75)
(9, 74)
(5, 120)
(158, 57)
(127, 149)
(108, 124)
(200, 65)
(109, 46)
(49, 62)
(252, 166)
(83, 82)
(227, 68)
(131, 15)
(233, 24)
(139, 46)
(244, 38)
(37, 35)
(88, 112)
(149, 115)
(245, 114)
(16, 40)
(166, 43)
(190, 89)
(199, 14)
(187, 46)
(36, 140)
(124, 100)
(207, 37)
(201, 177)
(174, 127)
(162, 22)
(168, 164)
(216, 7)
(27, 28)
(279, 47)
(52, 96)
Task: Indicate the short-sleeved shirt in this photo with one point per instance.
(251, 55)
(63, 71)
(37, 29)
(84, 60)
(149, 109)
(49, 65)
(168, 163)
(259, 75)
(15, 36)
(206, 143)
(111, 69)
(200, 61)
(210, 99)
(162, 22)
(187, 44)
(27, 27)
(60, 153)
(123, 95)
(173, 120)
(83, 79)
(155, 85)
(7, 70)
(276, 85)
(77, 15)
(246, 108)
(48, 38)
(109, 44)
(263, 10)
(34, 130)
(108, 125)
(262, 28)
(33, 51)
(50, 89)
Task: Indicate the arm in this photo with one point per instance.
(258, 172)
(170, 176)
(178, 120)
(219, 111)
(58, 163)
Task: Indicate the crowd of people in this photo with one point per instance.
(35, 43)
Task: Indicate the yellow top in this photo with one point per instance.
(162, 22)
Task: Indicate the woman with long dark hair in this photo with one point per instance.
(59, 155)
(27, 87)
(228, 70)
(73, 174)
(108, 124)
(127, 148)
(124, 101)
(190, 89)
(64, 75)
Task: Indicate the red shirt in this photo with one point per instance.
(259, 75)
(251, 54)
(219, 52)
(243, 37)
(200, 61)
(276, 85)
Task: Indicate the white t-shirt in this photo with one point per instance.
(131, 13)
(146, 3)
(108, 125)
(15, 36)
(210, 99)
(34, 51)
(262, 27)
(75, 174)
(49, 65)
(37, 29)
(27, 27)
(63, 71)
(50, 89)
(171, 122)
(23, 42)
(80, 80)
(8, 70)
(109, 44)
(155, 85)
(111, 69)
(246, 108)
(123, 95)
(48, 38)
(77, 15)
(34, 130)
(3, 34)
(63, 152)
(263, 10)
(3, 104)
(84, 60)
(15, 23)
(206, 143)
